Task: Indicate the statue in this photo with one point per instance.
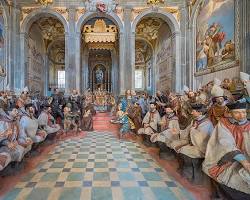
(99, 76)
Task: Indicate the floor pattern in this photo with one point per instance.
(98, 167)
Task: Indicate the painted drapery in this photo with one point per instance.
(1, 39)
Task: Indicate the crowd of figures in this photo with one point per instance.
(207, 131)
(27, 121)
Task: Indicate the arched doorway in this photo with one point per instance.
(160, 31)
(100, 43)
(117, 81)
(43, 44)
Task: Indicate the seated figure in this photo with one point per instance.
(9, 131)
(169, 132)
(87, 119)
(191, 148)
(123, 119)
(47, 121)
(227, 159)
(29, 127)
(150, 124)
(69, 122)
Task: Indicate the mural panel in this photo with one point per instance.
(35, 68)
(1, 38)
(215, 44)
(164, 62)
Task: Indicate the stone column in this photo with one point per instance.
(123, 72)
(46, 74)
(78, 62)
(244, 7)
(183, 26)
(129, 72)
(132, 55)
(21, 72)
(70, 50)
(177, 80)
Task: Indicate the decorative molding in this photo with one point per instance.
(105, 6)
(25, 11)
(120, 13)
(63, 11)
(44, 2)
(79, 13)
(137, 11)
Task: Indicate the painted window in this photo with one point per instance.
(61, 79)
(138, 79)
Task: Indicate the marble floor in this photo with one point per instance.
(98, 167)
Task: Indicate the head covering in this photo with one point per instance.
(198, 107)
(25, 90)
(186, 88)
(217, 81)
(236, 105)
(28, 105)
(244, 76)
(153, 102)
(217, 91)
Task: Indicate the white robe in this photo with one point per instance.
(221, 143)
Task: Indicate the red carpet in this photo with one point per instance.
(102, 122)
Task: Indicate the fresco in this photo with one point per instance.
(215, 34)
(35, 68)
(1, 39)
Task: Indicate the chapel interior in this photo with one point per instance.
(125, 99)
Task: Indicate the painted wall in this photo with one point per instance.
(2, 42)
(35, 65)
(215, 34)
(164, 65)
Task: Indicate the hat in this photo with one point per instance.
(26, 89)
(45, 105)
(186, 88)
(153, 102)
(236, 105)
(198, 106)
(168, 105)
(217, 91)
(28, 105)
(217, 81)
(244, 76)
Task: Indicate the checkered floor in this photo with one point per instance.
(98, 167)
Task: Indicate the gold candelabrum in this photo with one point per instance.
(44, 2)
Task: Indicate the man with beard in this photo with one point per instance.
(161, 101)
(142, 101)
(29, 127)
(150, 124)
(228, 152)
(47, 121)
(218, 108)
(75, 101)
(57, 102)
(170, 131)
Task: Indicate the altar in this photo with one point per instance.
(100, 100)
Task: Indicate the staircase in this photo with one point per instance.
(101, 122)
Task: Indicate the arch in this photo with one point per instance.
(165, 16)
(117, 21)
(113, 17)
(35, 15)
(176, 38)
